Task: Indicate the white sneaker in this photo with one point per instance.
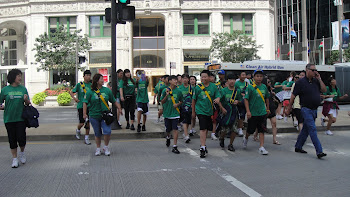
(87, 141)
(322, 122)
(22, 157)
(193, 131)
(295, 123)
(106, 150)
(279, 117)
(286, 119)
(240, 132)
(263, 151)
(161, 119)
(158, 120)
(213, 137)
(245, 142)
(14, 163)
(328, 132)
(186, 138)
(98, 152)
(77, 134)
(179, 128)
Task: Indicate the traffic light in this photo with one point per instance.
(124, 1)
(124, 12)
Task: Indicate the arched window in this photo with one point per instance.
(8, 47)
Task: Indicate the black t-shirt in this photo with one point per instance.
(309, 92)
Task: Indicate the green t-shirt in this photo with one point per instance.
(118, 91)
(161, 88)
(168, 107)
(256, 104)
(14, 102)
(184, 90)
(240, 85)
(96, 106)
(226, 95)
(142, 93)
(156, 88)
(284, 83)
(203, 104)
(129, 88)
(290, 84)
(81, 94)
(336, 94)
(277, 90)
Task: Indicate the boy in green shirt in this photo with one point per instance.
(142, 100)
(256, 102)
(242, 85)
(204, 96)
(186, 109)
(161, 88)
(171, 99)
(230, 98)
(80, 89)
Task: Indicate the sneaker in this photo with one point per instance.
(87, 141)
(202, 155)
(161, 119)
(175, 150)
(179, 128)
(192, 132)
(158, 120)
(322, 121)
(279, 117)
(230, 148)
(295, 123)
(143, 127)
(98, 152)
(187, 139)
(22, 157)
(245, 142)
(213, 137)
(138, 128)
(328, 132)
(132, 127)
(14, 163)
(106, 150)
(285, 119)
(222, 143)
(167, 141)
(240, 133)
(263, 151)
(127, 126)
(77, 134)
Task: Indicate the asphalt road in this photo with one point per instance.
(149, 168)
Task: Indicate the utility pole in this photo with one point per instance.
(340, 18)
(76, 60)
(114, 57)
(305, 46)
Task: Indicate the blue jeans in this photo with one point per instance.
(100, 127)
(309, 128)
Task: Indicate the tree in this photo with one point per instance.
(58, 50)
(234, 47)
(334, 57)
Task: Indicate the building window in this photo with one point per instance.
(196, 24)
(99, 27)
(69, 23)
(238, 22)
(101, 57)
(148, 43)
(8, 47)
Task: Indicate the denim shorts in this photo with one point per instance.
(100, 127)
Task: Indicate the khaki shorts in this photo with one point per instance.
(160, 106)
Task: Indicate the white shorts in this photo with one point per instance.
(333, 112)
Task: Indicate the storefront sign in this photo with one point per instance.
(192, 56)
(104, 73)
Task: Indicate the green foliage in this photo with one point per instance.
(334, 58)
(234, 47)
(39, 97)
(346, 55)
(58, 50)
(64, 98)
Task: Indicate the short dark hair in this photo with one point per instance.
(119, 70)
(193, 77)
(309, 65)
(178, 75)
(303, 71)
(206, 72)
(171, 77)
(231, 76)
(11, 76)
(165, 76)
(241, 73)
(87, 72)
(185, 76)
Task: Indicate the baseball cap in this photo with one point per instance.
(258, 71)
(221, 72)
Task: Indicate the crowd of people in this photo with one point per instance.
(221, 106)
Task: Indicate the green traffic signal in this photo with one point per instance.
(124, 1)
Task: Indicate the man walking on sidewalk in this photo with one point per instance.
(309, 89)
(80, 89)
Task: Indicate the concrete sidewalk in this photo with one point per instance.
(59, 131)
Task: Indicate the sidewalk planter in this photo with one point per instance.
(51, 101)
(64, 99)
(39, 98)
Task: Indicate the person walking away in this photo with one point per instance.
(241, 84)
(127, 95)
(286, 98)
(171, 99)
(142, 82)
(186, 110)
(256, 102)
(164, 86)
(273, 102)
(330, 105)
(120, 79)
(15, 97)
(205, 95)
(80, 90)
(156, 94)
(309, 89)
(230, 99)
(97, 99)
(296, 105)
(193, 83)
(277, 89)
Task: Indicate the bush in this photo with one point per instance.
(64, 98)
(57, 90)
(39, 97)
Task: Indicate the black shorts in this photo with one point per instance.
(171, 124)
(142, 107)
(186, 117)
(205, 122)
(81, 118)
(241, 111)
(272, 113)
(297, 113)
(257, 122)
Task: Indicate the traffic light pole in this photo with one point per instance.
(114, 57)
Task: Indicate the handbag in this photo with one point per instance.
(107, 116)
(30, 115)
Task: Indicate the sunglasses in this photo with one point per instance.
(296, 77)
(313, 70)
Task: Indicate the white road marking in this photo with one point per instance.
(330, 151)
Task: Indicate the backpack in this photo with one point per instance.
(30, 115)
(229, 119)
